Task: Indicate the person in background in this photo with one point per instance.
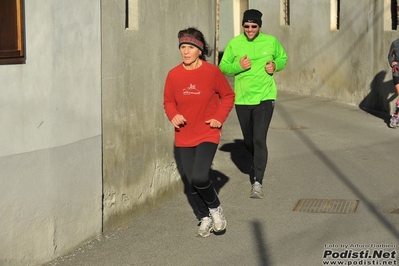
(253, 58)
(197, 101)
(393, 59)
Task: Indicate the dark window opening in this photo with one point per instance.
(287, 12)
(338, 12)
(394, 14)
(127, 14)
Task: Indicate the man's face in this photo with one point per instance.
(251, 30)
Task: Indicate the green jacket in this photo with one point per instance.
(255, 84)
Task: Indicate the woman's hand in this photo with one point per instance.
(178, 121)
(213, 123)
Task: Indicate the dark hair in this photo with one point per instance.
(196, 34)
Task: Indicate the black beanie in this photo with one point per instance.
(252, 15)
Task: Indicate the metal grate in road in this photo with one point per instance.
(336, 206)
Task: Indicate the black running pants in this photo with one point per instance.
(254, 122)
(196, 164)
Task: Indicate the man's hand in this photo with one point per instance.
(270, 67)
(245, 62)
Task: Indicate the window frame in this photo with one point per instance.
(12, 45)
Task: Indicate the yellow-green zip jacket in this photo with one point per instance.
(253, 85)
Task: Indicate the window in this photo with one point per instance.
(394, 14)
(391, 13)
(285, 12)
(132, 15)
(335, 10)
(12, 50)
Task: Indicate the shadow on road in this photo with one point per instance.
(261, 248)
(240, 156)
(381, 94)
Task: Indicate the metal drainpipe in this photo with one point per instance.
(217, 32)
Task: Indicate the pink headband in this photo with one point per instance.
(192, 41)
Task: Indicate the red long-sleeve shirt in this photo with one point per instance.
(198, 95)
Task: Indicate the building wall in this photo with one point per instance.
(348, 64)
(230, 20)
(139, 166)
(50, 148)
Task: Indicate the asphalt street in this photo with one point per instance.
(319, 150)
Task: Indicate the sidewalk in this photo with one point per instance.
(318, 149)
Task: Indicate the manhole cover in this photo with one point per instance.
(326, 206)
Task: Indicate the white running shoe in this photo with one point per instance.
(219, 221)
(205, 227)
(394, 121)
(256, 192)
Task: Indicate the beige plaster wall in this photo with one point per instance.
(349, 64)
(139, 165)
(50, 134)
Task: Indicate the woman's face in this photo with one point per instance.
(189, 53)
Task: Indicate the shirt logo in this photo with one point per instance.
(191, 90)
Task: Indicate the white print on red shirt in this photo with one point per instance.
(191, 90)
